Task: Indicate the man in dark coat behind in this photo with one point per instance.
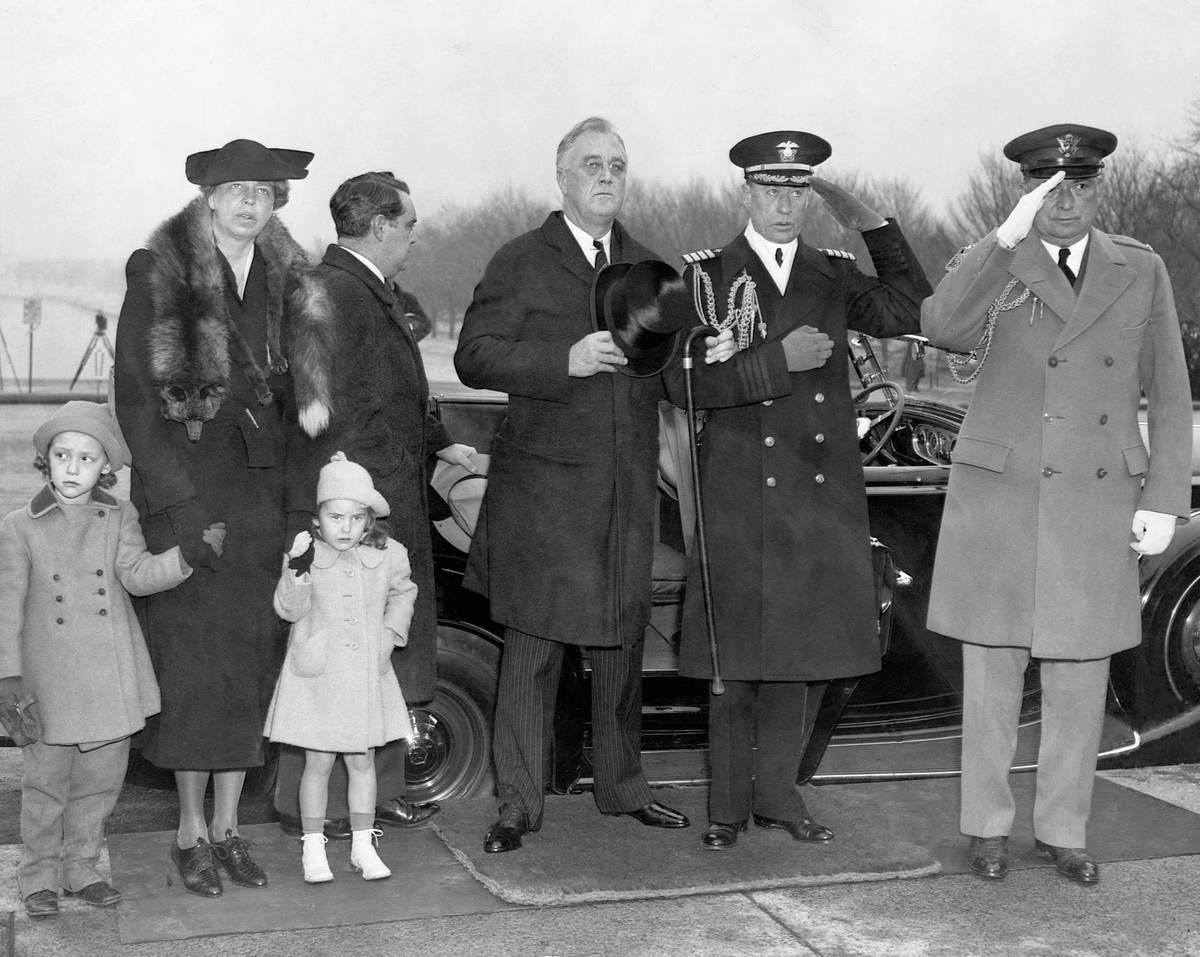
(378, 415)
(565, 540)
(781, 475)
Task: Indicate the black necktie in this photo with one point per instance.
(778, 255)
(1064, 253)
(601, 258)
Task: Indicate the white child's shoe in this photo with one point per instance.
(316, 864)
(363, 857)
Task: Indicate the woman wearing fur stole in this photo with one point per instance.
(201, 385)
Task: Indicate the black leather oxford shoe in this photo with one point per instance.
(233, 854)
(97, 894)
(335, 829)
(1072, 862)
(655, 815)
(401, 813)
(720, 837)
(506, 833)
(803, 830)
(196, 868)
(988, 857)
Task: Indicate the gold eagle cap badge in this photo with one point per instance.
(787, 151)
(1068, 144)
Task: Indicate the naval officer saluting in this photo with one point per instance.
(782, 478)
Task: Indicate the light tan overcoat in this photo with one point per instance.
(1050, 466)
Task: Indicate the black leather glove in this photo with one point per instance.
(18, 713)
(189, 525)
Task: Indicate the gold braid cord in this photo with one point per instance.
(742, 318)
(958, 363)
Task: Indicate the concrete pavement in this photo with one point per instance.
(1139, 908)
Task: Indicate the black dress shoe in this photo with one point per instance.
(505, 834)
(719, 837)
(803, 830)
(401, 813)
(233, 854)
(335, 829)
(41, 904)
(1073, 862)
(988, 857)
(196, 868)
(97, 894)
(655, 815)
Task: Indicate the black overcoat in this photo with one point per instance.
(215, 640)
(781, 470)
(379, 416)
(565, 540)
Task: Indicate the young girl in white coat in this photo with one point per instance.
(349, 595)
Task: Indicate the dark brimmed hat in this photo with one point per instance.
(1076, 150)
(246, 160)
(91, 418)
(644, 306)
(782, 158)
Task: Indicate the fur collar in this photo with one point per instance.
(193, 339)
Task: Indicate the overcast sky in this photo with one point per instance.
(100, 102)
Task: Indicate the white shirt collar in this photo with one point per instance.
(585, 241)
(765, 249)
(366, 262)
(1075, 257)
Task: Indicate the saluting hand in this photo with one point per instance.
(594, 353)
(1020, 220)
(847, 209)
(806, 348)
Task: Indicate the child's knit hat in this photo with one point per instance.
(342, 478)
(90, 418)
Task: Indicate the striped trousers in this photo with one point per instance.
(524, 723)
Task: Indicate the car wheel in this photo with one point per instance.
(450, 754)
(1175, 637)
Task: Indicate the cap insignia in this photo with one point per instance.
(787, 151)
(1068, 144)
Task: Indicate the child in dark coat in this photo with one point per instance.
(349, 595)
(71, 645)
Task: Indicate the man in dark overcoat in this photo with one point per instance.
(565, 540)
(1053, 495)
(780, 467)
(379, 416)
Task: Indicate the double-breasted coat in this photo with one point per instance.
(337, 690)
(67, 626)
(379, 416)
(781, 471)
(1049, 465)
(565, 538)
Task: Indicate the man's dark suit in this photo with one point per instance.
(380, 418)
(565, 541)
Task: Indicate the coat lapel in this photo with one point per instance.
(1042, 277)
(1107, 275)
(557, 235)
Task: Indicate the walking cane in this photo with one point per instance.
(717, 686)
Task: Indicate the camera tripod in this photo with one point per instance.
(99, 335)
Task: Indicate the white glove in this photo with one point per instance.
(1020, 220)
(1152, 532)
(300, 544)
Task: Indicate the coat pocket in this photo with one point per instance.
(385, 652)
(307, 658)
(1133, 332)
(982, 453)
(1137, 459)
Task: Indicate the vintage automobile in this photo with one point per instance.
(903, 722)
